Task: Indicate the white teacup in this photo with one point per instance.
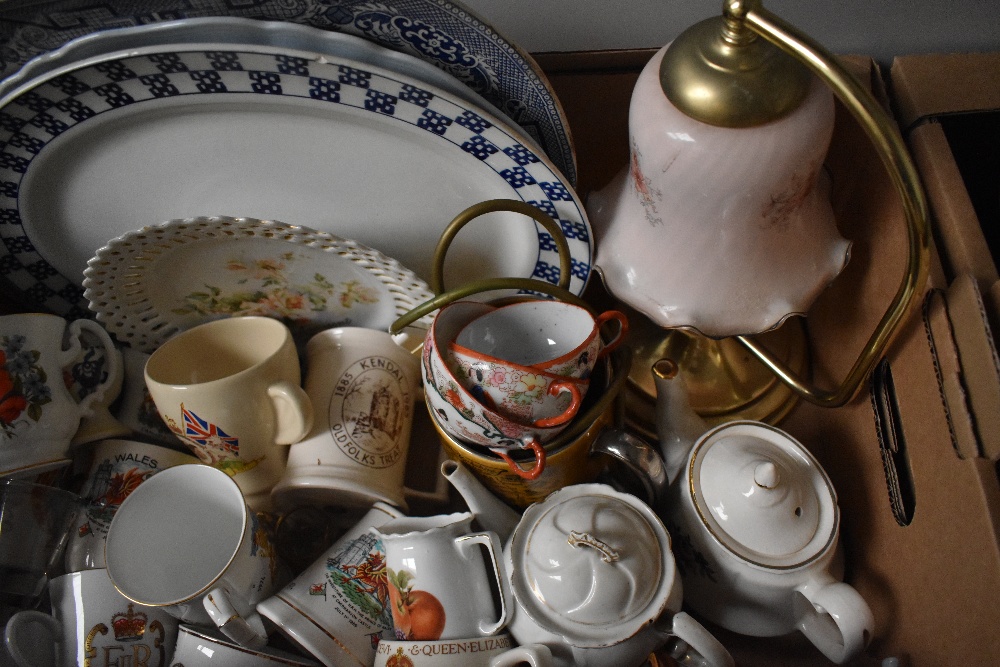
(39, 416)
(186, 541)
(201, 647)
(91, 624)
(117, 468)
(230, 389)
(363, 386)
(338, 607)
(498, 651)
(439, 581)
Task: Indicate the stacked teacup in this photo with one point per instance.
(512, 377)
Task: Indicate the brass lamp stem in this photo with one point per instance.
(893, 153)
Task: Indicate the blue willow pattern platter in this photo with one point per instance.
(442, 32)
(368, 155)
(149, 284)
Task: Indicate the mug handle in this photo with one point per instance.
(697, 645)
(246, 631)
(18, 623)
(491, 541)
(116, 368)
(293, 412)
(535, 655)
(619, 338)
(576, 398)
(834, 617)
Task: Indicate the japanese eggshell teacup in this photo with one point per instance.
(553, 336)
(472, 421)
(520, 393)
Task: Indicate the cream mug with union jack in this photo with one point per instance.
(230, 389)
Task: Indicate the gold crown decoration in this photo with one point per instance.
(130, 626)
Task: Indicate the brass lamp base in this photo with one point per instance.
(724, 380)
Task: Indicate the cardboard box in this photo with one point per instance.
(919, 499)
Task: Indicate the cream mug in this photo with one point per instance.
(363, 387)
(186, 541)
(38, 414)
(92, 624)
(230, 389)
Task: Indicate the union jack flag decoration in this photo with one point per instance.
(205, 434)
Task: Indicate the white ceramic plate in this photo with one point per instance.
(147, 285)
(444, 33)
(322, 142)
(213, 32)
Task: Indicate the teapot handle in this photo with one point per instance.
(834, 617)
(892, 151)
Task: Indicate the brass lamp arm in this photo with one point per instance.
(893, 153)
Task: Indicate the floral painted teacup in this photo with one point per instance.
(553, 336)
(520, 393)
(38, 414)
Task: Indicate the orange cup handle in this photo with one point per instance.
(570, 411)
(530, 473)
(622, 320)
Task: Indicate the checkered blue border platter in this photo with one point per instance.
(441, 32)
(39, 116)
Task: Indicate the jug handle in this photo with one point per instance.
(491, 541)
(892, 151)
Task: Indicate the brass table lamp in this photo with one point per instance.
(720, 229)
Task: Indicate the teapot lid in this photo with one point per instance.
(763, 495)
(592, 565)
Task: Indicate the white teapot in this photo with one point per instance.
(755, 524)
(593, 578)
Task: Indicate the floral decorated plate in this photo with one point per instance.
(149, 284)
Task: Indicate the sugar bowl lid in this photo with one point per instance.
(763, 495)
(592, 565)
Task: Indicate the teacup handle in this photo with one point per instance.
(697, 645)
(18, 624)
(576, 399)
(525, 473)
(834, 617)
(116, 367)
(535, 655)
(619, 338)
(246, 631)
(491, 541)
(293, 411)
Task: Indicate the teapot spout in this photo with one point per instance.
(492, 513)
(678, 426)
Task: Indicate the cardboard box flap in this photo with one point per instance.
(935, 84)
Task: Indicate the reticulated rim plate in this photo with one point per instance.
(149, 284)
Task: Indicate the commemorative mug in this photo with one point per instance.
(186, 541)
(230, 390)
(92, 624)
(338, 607)
(117, 468)
(135, 407)
(363, 387)
(35, 520)
(497, 651)
(439, 581)
(38, 414)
